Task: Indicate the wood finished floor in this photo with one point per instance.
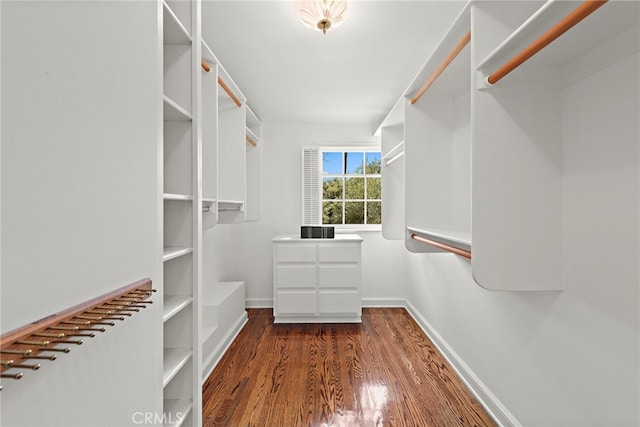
(383, 372)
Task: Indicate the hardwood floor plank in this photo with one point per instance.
(383, 372)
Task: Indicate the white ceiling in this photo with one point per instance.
(353, 74)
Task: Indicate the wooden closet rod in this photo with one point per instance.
(581, 12)
(443, 65)
(206, 67)
(442, 246)
(251, 141)
(231, 95)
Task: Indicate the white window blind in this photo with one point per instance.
(310, 187)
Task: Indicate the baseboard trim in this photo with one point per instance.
(224, 345)
(486, 398)
(384, 302)
(259, 302)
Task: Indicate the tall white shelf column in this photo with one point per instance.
(181, 214)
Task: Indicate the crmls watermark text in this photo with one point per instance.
(154, 418)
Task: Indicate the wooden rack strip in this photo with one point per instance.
(42, 336)
(581, 12)
(251, 141)
(443, 246)
(206, 67)
(443, 65)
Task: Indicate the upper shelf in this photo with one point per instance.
(457, 71)
(173, 112)
(174, 32)
(609, 20)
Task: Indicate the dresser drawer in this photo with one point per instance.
(296, 276)
(296, 303)
(295, 253)
(339, 276)
(339, 302)
(339, 253)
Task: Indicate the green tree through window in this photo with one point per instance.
(351, 187)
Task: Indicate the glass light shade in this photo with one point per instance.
(321, 15)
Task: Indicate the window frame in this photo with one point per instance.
(321, 175)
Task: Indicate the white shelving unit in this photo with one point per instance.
(182, 395)
(210, 90)
(231, 153)
(253, 158)
(391, 137)
(530, 145)
(438, 147)
(539, 173)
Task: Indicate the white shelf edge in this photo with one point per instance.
(457, 238)
(460, 25)
(390, 153)
(393, 117)
(208, 200)
(172, 112)
(208, 55)
(174, 360)
(172, 407)
(252, 119)
(172, 252)
(514, 38)
(251, 134)
(180, 33)
(174, 304)
(173, 196)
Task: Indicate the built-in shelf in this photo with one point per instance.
(176, 411)
(252, 136)
(173, 30)
(174, 360)
(184, 197)
(173, 305)
(172, 252)
(395, 151)
(173, 112)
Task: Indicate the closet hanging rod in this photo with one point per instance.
(443, 65)
(581, 12)
(443, 246)
(251, 141)
(206, 67)
(229, 92)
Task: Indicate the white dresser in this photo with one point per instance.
(317, 280)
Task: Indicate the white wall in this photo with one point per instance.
(281, 214)
(562, 358)
(81, 108)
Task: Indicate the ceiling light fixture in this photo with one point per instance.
(322, 14)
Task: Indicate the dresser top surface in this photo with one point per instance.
(284, 238)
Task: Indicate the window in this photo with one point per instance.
(344, 187)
